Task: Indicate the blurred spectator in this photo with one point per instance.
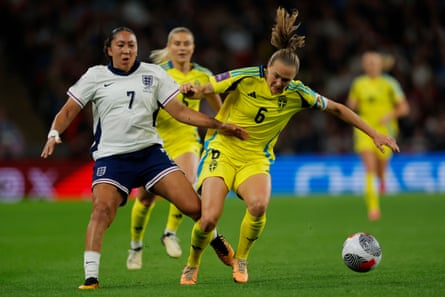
(12, 144)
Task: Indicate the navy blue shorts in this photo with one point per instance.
(127, 171)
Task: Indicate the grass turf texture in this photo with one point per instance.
(299, 253)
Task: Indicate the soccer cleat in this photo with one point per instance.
(90, 283)
(134, 260)
(374, 215)
(189, 275)
(239, 272)
(171, 243)
(223, 249)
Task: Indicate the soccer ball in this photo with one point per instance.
(361, 252)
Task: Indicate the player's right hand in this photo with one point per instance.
(233, 130)
(48, 149)
(188, 90)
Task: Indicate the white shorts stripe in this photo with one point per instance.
(160, 175)
(111, 182)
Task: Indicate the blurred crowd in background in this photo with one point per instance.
(47, 45)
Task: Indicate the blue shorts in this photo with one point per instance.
(127, 171)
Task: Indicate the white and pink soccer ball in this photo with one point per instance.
(361, 252)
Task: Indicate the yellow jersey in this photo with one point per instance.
(376, 97)
(174, 133)
(250, 104)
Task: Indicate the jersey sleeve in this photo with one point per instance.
(227, 81)
(309, 97)
(399, 95)
(168, 88)
(84, 89)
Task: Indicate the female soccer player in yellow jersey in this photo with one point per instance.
(380, 101)
(181, 141)
(262, 101)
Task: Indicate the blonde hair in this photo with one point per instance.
(159, 56)
(388, 62)
(285, 39)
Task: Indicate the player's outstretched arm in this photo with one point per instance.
(214, 101)
(61, 121)
(202, 92)
(196, 92)
(346, 114)
(189, 116)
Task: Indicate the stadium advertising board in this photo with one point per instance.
(44, 179)
(291, 175)
(335, 175)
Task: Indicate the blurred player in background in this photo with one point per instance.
(125, 96)
(182, 143)
(380, 101)
(262, 101)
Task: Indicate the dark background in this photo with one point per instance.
(45, 46)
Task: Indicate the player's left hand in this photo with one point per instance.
(380, 140)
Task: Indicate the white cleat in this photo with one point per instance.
(134, 260)
(171, 243)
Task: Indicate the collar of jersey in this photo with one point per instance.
(121, 72)
(171, 66)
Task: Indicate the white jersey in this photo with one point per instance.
(124, 105)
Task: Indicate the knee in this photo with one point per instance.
(258, 208)
(207, 224)
(146, 198)
(103, 213)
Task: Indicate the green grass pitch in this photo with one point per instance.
(298, 254)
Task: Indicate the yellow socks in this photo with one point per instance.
(251, 228)
(200, 240)
(174, 219)
(371, 195)
(140, 214)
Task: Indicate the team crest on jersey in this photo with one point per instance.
(101, 171)
(282, 102)
(213, 164)
(147, 81)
